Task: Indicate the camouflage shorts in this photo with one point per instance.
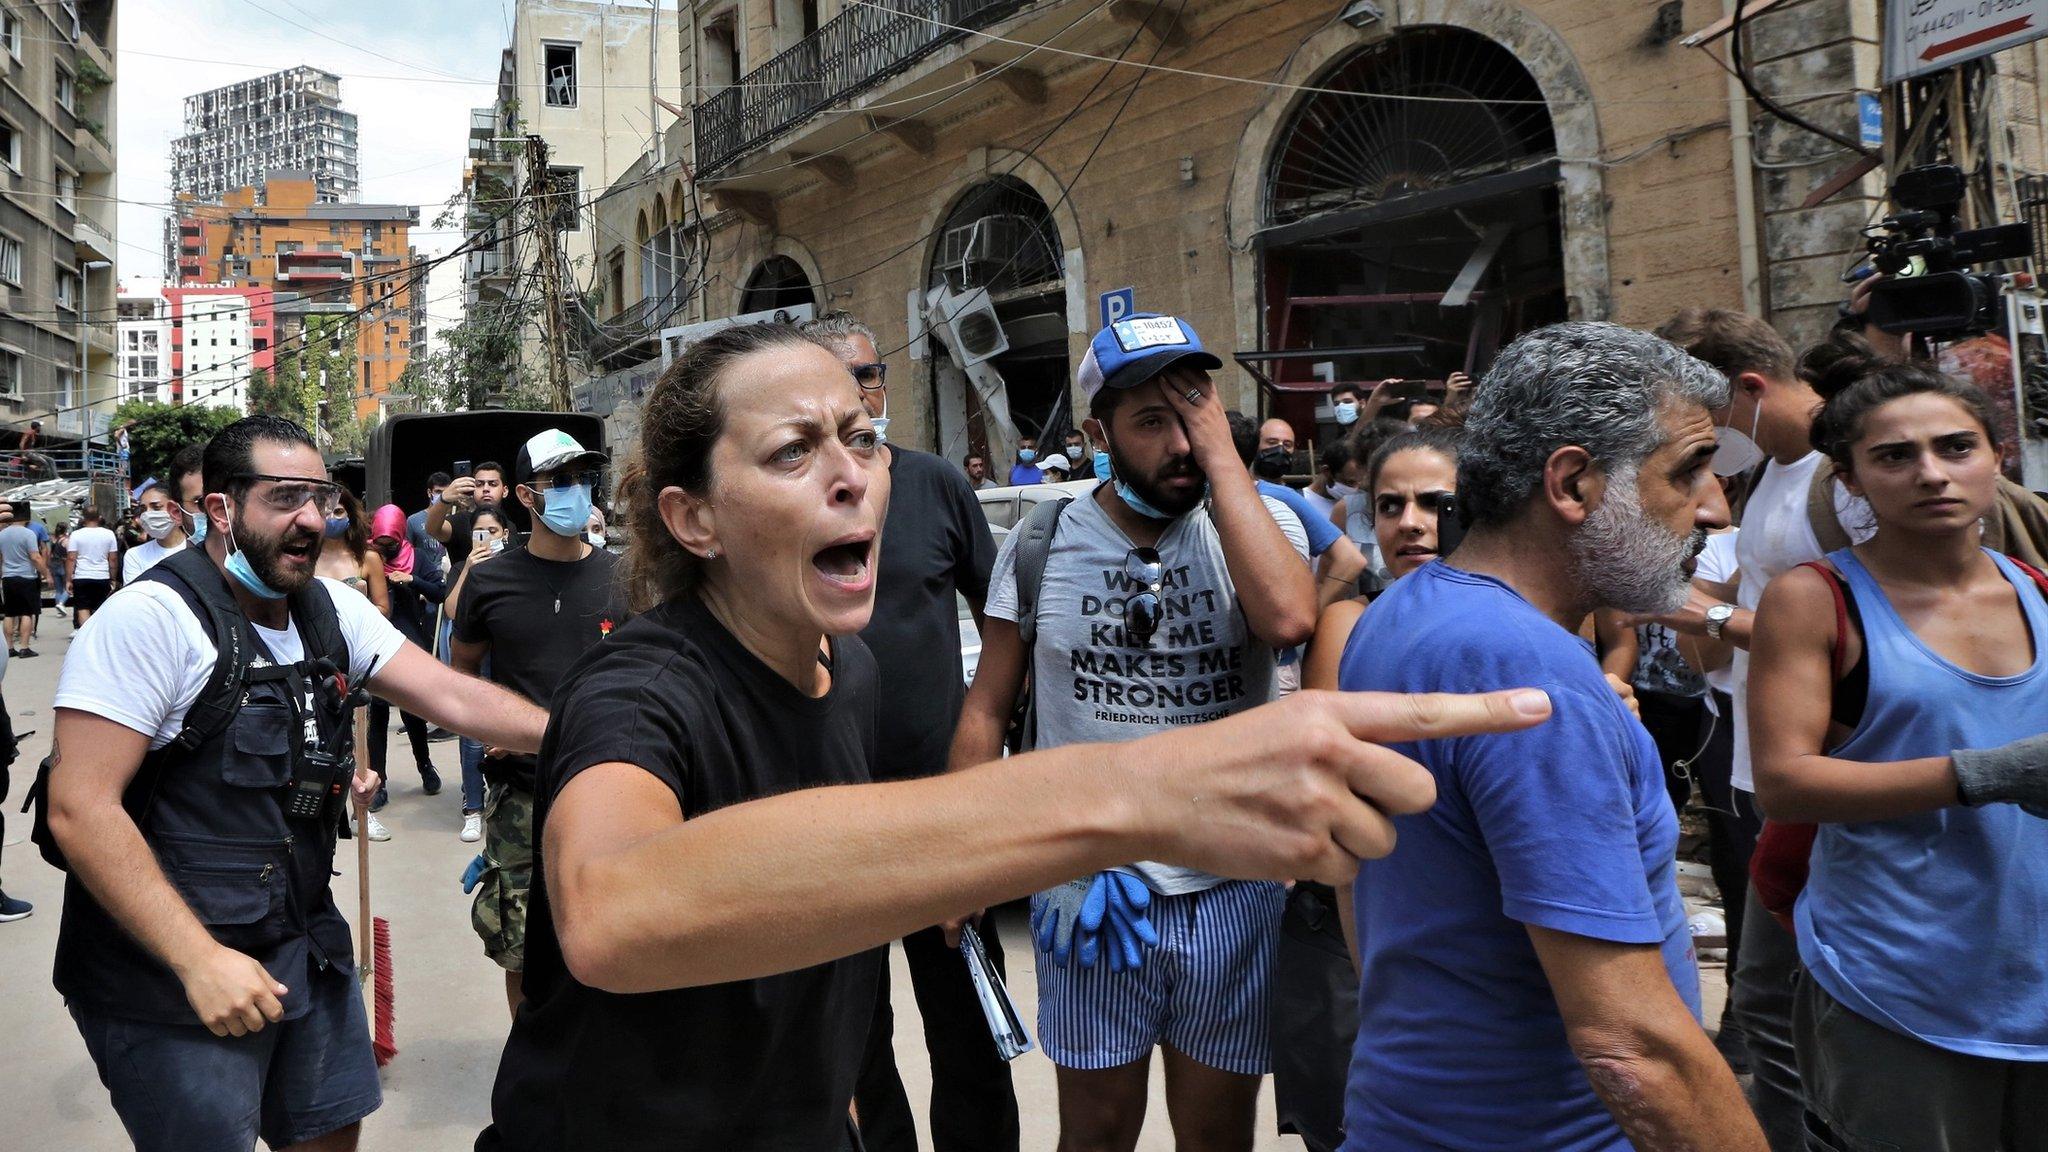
(499, 914)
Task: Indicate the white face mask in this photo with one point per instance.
(158, 525)
(596, 539)
(1340, 491)
(1736, 453)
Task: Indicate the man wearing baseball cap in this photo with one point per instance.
(533, 610)
(1164, 594)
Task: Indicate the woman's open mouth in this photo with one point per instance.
(1414, 550)
(846, 563)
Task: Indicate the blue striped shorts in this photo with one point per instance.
(1203, 990)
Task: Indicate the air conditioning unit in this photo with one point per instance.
(973, 331)
(993, 241)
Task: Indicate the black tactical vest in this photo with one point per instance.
(213, 807)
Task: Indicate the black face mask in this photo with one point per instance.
(1272, 464)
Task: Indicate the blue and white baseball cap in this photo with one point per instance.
(1137, 348)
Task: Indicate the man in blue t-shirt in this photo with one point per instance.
(1527, 978)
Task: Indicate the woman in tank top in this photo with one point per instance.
(345, 554)
(1899, 699)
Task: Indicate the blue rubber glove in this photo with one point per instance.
(472, 874)
(1130, 928)
(1053, 921)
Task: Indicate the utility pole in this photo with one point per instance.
(540, 196)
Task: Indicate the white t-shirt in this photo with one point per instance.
(144, 657)
(1775, 539)
(91, 549)
(143, 557)
(1717, 565)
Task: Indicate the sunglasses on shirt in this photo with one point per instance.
(1146, 610)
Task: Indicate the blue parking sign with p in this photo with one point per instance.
(1118, 305)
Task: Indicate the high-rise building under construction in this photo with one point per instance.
(237, 135)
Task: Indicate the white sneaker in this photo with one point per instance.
(472, 827)
(378, 831)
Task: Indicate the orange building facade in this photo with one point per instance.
(346, 260)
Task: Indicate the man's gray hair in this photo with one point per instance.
(1594, 385)
(834, 329)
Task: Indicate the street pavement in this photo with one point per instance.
(451, 1015)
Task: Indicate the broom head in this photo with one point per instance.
(383, 994)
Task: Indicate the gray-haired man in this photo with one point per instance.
(1527, 977)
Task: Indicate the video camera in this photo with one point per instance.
(1923, 255)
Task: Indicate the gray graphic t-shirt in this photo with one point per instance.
(1094, 683)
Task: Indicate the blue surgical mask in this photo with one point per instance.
(238, 566)
(568, 510)
(1101, 464)
(1138, 503)
(337, 527)
(1027, 455)
(1347, 412)
(198, 532)
(881, 423)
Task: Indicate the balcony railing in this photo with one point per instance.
(856, 50)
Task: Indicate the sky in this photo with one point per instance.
(401, 64)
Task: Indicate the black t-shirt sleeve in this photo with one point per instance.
(976, 555)
(471, 626)
(627, 711)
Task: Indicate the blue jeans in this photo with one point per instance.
(472, 775)
(180, 1088)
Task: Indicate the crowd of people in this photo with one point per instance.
(1459, 688)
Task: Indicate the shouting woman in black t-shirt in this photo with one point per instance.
(713, 878)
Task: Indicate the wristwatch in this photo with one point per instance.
(1717, 617)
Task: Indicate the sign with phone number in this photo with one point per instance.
(1924, 36)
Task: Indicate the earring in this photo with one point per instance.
(711, 553)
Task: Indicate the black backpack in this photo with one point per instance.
(204, 590)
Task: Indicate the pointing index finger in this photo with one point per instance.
(1388, 717)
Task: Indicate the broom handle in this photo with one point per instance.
(363, 923)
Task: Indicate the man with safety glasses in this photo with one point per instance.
(207, 754)
(936, 549)
(532, 611)
(1162, 597)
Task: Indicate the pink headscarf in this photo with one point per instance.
(390, 521)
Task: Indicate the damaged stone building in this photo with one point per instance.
(1327, 189)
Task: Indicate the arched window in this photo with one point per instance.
(777, 282)
(646, 251)
(1426, 109)
(999, 236)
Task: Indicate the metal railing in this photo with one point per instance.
(854, 51)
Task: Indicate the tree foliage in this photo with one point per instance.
(157, 431)
(478, 364)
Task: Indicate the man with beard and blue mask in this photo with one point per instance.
(532, 611)
(1527, 979)
(1163, 596)
(936, 551)
(203, 717)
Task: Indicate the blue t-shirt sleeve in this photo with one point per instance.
(1557, 808)
(1321, 533)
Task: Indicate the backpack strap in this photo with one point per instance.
(1834, 583)
(192, 575)
(1034, 547)
(2040, 578)
(1820, 510)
